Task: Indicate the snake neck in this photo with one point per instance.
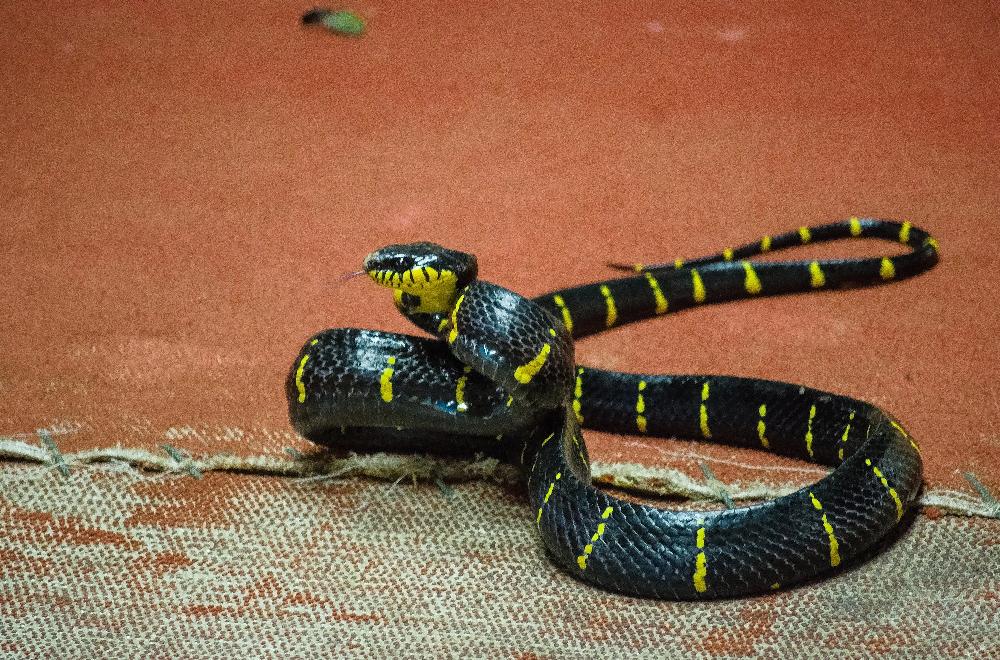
(432, 323)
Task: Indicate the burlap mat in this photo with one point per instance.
(114, 564)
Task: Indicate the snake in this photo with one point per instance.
(495, 374)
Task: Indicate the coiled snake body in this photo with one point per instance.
(500, 377)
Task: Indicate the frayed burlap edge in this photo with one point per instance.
(639, 479)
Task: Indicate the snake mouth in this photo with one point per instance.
(414, 280)
(422, 289)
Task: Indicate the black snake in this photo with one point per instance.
(500, 377)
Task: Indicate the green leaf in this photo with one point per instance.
(344, 22)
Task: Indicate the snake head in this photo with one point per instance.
(424, 277)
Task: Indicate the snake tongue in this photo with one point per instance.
(351, 276)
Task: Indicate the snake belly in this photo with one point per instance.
(500, 377)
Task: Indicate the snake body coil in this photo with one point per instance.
(500, 377)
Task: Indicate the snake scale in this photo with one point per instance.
(499, 376)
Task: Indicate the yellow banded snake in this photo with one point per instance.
(499, 376)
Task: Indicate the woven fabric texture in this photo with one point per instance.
(114, 564)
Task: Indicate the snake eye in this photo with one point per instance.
(409, 300)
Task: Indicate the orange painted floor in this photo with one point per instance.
(181, 187)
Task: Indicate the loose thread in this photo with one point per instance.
(57, 458)
(720, 487)
(983, 491)
(182, 459)
(448, 491)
